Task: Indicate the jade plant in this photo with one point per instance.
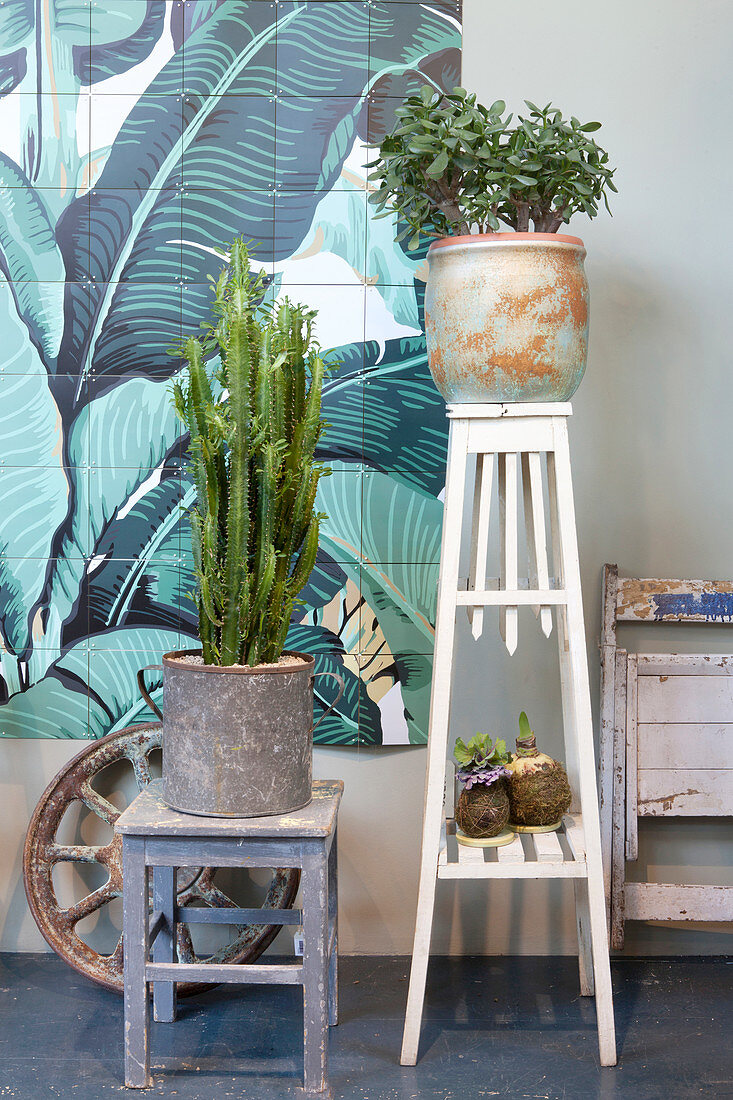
(481, 761)
(252, 404)
(453, 166)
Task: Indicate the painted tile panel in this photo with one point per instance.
(180, 123)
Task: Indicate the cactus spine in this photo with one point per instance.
(254, 417)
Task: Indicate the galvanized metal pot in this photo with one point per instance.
(506, 317)
(237, 742)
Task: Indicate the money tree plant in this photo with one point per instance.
(254, 426)
(452, 166)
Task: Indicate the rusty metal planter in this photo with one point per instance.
(237, 742)
(506, 317)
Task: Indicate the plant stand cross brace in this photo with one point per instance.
(518, 434)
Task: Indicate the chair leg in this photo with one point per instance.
(135, 933)
(585, 953)
(164, 899)
(314, 886)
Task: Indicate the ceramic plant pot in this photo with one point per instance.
(237, 741)
(506, 317)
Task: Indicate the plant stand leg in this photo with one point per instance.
(164, 899)
(438, 736)
(314, 885)
(135, 932)
(579, 733)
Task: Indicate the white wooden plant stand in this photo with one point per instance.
(518, 434)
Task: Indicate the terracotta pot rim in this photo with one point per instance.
(507, 238)
(172, 660)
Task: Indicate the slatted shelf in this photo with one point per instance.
(530, 855)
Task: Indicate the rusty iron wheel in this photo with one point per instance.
(74, 783)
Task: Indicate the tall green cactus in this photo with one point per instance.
(254, 416)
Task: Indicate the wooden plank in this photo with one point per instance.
(508, 616)
(509, 437)
(665, 901)
(579, 745)
(252, 974)
(511, 853)
(667, 792)
(512, 597)
(651, 599)
(632, 763)
(440, 699)
(491, 411)
(205, 915)
(469, 856)
(534, 522)
(547, 847)
(685, 699)
(573, 825)
(530, 869)
(685, 664)
(608, 607)
(480, 536)
(618, 841)
(685, 745)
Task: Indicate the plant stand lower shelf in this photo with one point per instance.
(518, 435)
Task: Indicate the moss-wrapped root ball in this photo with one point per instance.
(539, 792)
(483, 811)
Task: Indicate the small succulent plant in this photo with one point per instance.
(452, 166)
(481, 761)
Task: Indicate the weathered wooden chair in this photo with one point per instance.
(661, 715)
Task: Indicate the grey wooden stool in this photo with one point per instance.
(155, 836)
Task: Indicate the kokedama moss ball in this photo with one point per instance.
(539, 792)
(483, 811)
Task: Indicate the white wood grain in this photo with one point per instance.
(440, 697)
(511, 853)
(685, 745)
(468, 856)
(480, 536)
(573, 825)
(666, 792)
(668, 901)
(534, 521)
(685, 664)
(508, 616)
(632, 763)
(618, 848)
(547, 847)
(685, 699)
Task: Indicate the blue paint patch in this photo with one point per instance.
(713, 606)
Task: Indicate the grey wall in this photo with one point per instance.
(652, 453)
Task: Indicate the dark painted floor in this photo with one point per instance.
(512, 1028)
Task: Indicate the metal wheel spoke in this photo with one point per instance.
(91, 903)
(141, 768)
(184, 944)
(75, 853)
(98, 804)
(216, 898)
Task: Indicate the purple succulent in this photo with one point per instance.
(483, 776)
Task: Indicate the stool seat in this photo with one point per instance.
(158, 838)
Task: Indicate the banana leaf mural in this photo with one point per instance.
(135, 138)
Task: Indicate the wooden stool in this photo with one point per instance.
(155, 836)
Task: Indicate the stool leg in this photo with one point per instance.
(314, 886)
(135, 940)
(164, 950)
(333, 918)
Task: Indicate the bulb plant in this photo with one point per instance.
(539, 791)
(452, 166)
(482, 809)
(251, 401)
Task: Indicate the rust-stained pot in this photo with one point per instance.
(237, 741)
(506, 316)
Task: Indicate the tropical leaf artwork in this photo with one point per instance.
(135, 138)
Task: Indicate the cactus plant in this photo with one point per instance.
(252, 405)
